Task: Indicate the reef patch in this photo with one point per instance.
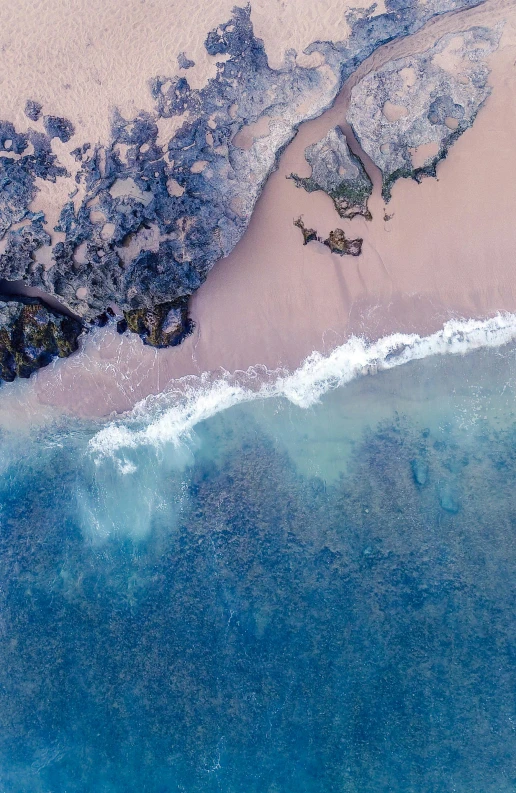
(423, 99)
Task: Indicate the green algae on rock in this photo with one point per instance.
(407, 114)
(165, 325)
(336, 241)
(337, 172)
(31, 335)
(309, 235)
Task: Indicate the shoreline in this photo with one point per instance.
(171, 416)
(171, 413)
(446, 253)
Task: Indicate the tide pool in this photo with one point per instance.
(283, 599)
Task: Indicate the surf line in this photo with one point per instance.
(171, 416)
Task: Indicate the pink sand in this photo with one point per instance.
(447, 251)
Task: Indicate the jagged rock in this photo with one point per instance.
(423, 100)
(165, 325)
(337, 172)
(31, 335)
(309, 235)
(56, 127)
(183, 62)
(33, 109)
(152, 219)
(336, 241)
(448, 498)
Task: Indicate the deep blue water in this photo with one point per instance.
(297, 601)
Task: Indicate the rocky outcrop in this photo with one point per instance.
(31, 335)
(338, 173)
(407, 114)
(183, 62)
(146, 220)
(309, 235)
(336, 240)
(165, 325)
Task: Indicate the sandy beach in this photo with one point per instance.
(446, 251)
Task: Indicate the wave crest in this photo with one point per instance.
(172, 416)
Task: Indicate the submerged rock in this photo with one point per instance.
(407, 114)
(337, 172)
(31, 335)
(420, 471)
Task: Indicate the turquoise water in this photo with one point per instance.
(286, 600)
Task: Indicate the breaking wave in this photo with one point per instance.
(172, 416)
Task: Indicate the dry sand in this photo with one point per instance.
(447, 251)
(81, 59)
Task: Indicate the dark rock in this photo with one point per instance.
(121, 326)
(337, 242)
(337, 172)
(56, 127)
(165, 325)
(103, 319)
(31, 335)
(309, 235)
(33, 109)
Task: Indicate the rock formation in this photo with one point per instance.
(336, 241)
(31, 334)
(164, 326)
(407, 114)
(146, 221)
(337, 172)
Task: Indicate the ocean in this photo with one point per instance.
(300, 589)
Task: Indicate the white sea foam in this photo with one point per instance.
(171, 417)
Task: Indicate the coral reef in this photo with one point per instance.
(407, 114)
(337, 172)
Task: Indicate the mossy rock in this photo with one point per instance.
(164, 325)
(32, 335)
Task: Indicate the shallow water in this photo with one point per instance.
(282, 599)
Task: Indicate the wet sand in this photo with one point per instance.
(447, 251)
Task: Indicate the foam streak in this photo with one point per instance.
(172, 417)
